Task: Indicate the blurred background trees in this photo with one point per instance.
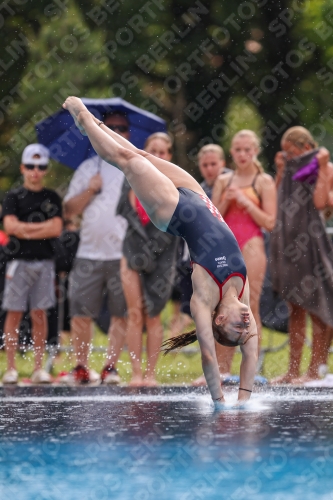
(208, 67)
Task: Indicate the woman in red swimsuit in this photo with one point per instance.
(246, 198)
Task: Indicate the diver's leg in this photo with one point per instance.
(177, 175)
(133, 294)
(256, 263)
(297, 327)
(154, 342)
(319, 350)
(155, 190)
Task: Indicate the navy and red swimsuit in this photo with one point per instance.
(211, 243)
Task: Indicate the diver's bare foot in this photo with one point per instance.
(283, 379)
(75, 106)
(199, 381)
(136, 381)
(150, 381)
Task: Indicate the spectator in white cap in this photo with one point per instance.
(32, 218)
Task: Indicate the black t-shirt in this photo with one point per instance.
(31, 206)
(65, 250)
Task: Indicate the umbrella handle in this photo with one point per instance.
(99, 168)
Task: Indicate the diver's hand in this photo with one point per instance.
(219, 403)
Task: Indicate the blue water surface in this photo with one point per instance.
(101, 443)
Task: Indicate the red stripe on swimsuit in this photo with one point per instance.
(210, 241)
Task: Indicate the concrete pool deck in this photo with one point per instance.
(22, 391)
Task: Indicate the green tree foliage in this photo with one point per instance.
(208, 67)
(19, 23)
(57, 63)
(191, 58)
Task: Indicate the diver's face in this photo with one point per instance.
(235, 322)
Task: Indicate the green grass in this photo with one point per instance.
(175, 368)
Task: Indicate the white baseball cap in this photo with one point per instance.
(35, 149)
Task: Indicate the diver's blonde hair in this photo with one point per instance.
(299, 136)
(211, 148)
(249, 133)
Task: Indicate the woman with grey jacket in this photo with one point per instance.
(147, 272)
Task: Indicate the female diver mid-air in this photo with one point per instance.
(177, 204)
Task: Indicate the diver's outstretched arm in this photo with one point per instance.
(202, 316)
(249, 363)
(116, 137)
(249, 350)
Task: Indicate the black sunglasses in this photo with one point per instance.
(30, 166)
(118, 128)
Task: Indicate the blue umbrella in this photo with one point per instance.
(66, 144)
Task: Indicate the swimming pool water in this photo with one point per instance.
(69, 444)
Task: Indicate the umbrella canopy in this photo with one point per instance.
(66, 144)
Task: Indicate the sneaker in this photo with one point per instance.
(110, 375)
(10, 377)
(79, 375)
(41, 377)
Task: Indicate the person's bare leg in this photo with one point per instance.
(297, 332)
(184, 321)
(319, 346)
(174, 323)
(132, 290)
(39, 335)
(297, 326)
(81, 327)
(11, 331)
(177, 175)
(179, 320)
(65, 340)
(117, 336)
(154, 342)
(224, 357)
(256, 263)
(329, 340)
(319, 350)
